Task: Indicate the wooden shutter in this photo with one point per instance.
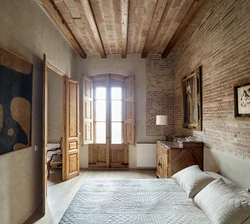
(129, 114)
(87, 84)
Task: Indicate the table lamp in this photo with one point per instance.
(161, 120)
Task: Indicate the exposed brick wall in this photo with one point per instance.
(159, 94)
(222, 46)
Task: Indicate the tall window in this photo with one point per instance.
(106, 98)
(115, 104)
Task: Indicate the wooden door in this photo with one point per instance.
(45, 133)
(71, 129)
(118, 152)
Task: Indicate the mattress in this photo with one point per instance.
(133, 201)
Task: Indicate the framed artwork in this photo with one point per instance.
(242, 101)
(192, 100)
(15, 102)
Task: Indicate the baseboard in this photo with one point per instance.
(104, 168)
(38, 214)
(145, 168)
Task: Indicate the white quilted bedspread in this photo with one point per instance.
(132, 201)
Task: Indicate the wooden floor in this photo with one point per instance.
(60, 194)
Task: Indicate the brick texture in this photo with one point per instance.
(222, 46)
(160, 94)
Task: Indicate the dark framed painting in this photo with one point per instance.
(242, 101)
(192, 100)
(15, 102)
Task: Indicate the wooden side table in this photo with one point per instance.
(172, 157)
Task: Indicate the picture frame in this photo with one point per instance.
(15, 102)
(192, 100)
(242, 100)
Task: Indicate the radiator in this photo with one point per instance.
(146, 155)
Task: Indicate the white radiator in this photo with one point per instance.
(146, 155)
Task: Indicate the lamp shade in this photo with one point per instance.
(161, 119)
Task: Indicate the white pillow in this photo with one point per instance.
(235, 187)
(192, 180)
(221, 204)
(227, 181)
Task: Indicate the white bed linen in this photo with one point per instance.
(155, 201)
(222, 204)
(192, 180)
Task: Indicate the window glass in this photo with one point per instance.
(116, 93)
(116, 133)
(100, 93)
(100, 110)
(100, 128)
(116, 111)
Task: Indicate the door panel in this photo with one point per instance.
(45, 132)
(73, 163)
(117, 150)
(71, 132)
(118, 155)
(97, 155)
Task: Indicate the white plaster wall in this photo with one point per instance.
(55, 107)
(234, 168)
(28, 32)
(114, 64)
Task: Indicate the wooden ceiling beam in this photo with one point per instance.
(91, 20)
(159, 10)
(192, 11)
(124, 22)
(56, 16)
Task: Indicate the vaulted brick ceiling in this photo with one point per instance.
(103, 27)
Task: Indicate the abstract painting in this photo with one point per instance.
(15, 102)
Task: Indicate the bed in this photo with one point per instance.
(133, 201)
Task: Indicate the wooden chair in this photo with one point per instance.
(55, 160)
